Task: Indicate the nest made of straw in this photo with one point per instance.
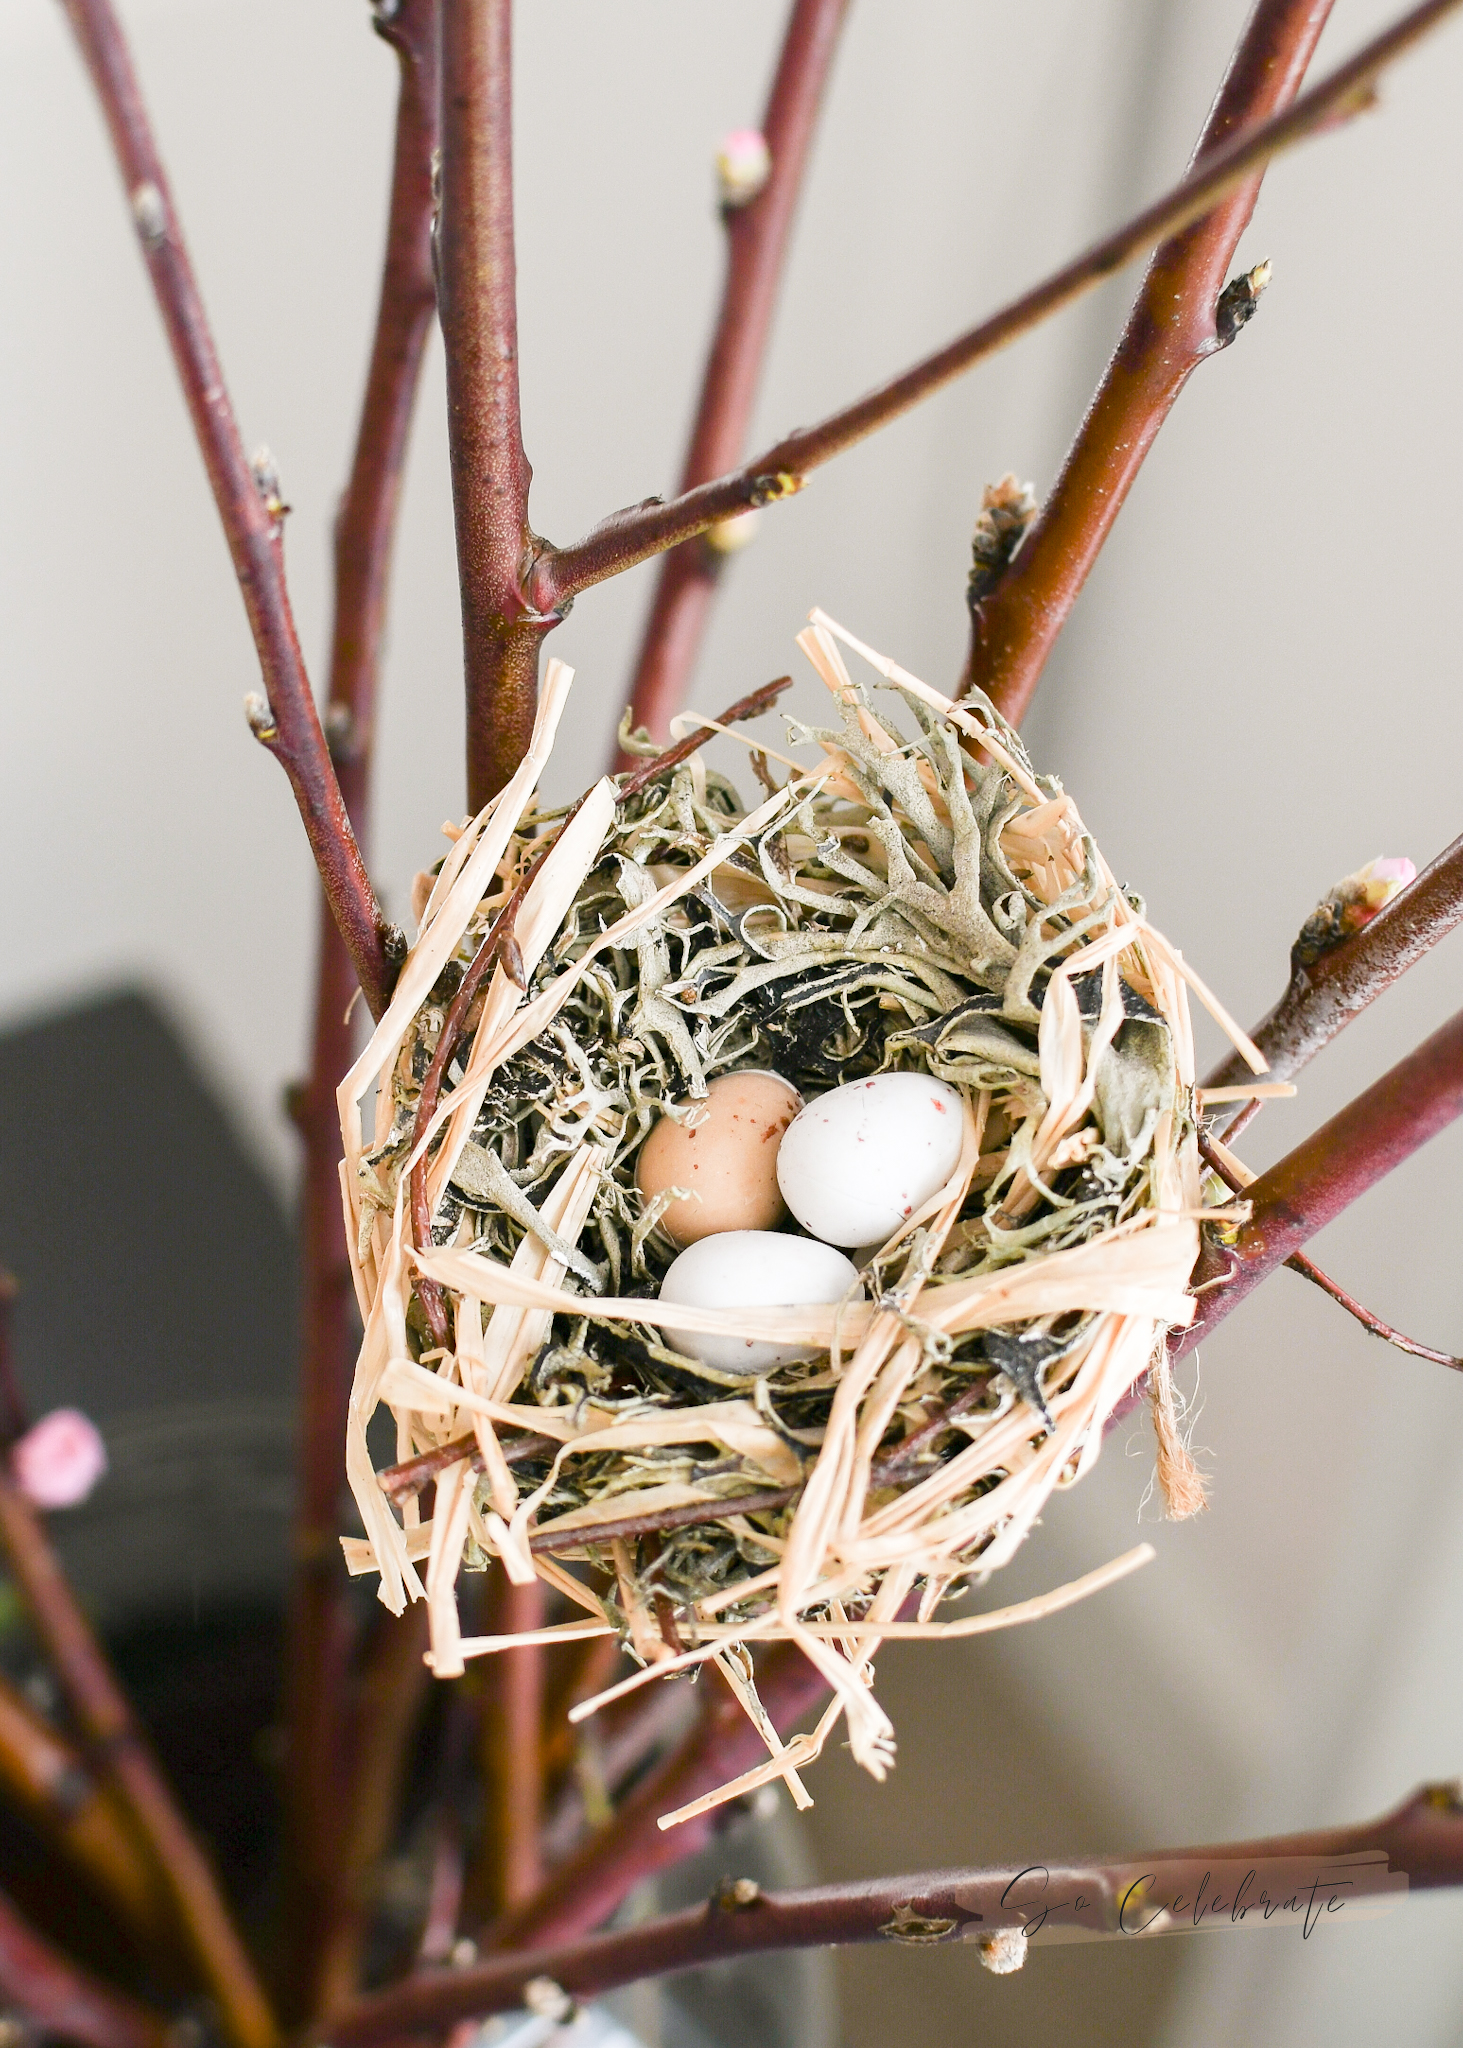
(917, 900)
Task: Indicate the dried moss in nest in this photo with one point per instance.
(916, 899)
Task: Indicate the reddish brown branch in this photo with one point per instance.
(39, 1984)
(14, 1417)
(393, 1688)
(757, 236)
(290, 726)
(1307, 1189)
(640, 531)
(1299, 1263)
(366, 523)
(586, 1889)
(320, 1634)
(1324, 994)
(118, 1749)
(490, 472)
(406, 1480)
(1172, 328)
(41, 1773)
(515, 1726)
(1309, 1270)
(46, 1779)
(1422, 1838)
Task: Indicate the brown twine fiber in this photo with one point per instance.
(1179, 1479)
(918, 899)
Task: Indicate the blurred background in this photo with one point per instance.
(1259, 692)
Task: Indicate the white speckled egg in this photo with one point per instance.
(860, 1159)
(725, 1153)
(752, 1269)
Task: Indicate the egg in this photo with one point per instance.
(726, 1154)
(753, 1269)
(859, 1160)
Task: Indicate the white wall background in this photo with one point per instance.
(1258, 692)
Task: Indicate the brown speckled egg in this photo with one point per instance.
(726, 1154)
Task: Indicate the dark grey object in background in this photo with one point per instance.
(158, 1292)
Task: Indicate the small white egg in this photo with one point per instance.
(860, 1159)
(752, 1269)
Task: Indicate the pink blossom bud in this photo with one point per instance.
(1372, 886)
(743, 166)
(1394, 868)
(59, 1459)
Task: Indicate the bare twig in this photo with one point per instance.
(631, 1846)
(1299, 1263)
(320, 1635)
(366, 524)
(640, 531)
(290, 725)
(48, 1781)
(393, 1688)
(42, 1774)
(515, 1731)
(1309, 1270)
(14, 1419)
(41, 1985)
(657, 1520)
(406, 1480)
(757, 235)
(119, 1749)
(1175, 323)
(450, 1769)
(1300, 1195)
(1423, 1838)
(1324, 994)
(490, 472)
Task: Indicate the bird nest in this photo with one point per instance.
(916, 900)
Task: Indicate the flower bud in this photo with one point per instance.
(59, 1459)
(743, 166)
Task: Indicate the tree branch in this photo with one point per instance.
(106, 1721)
(290, 726)
(366, 524)
(46, 1778)
(61, 1998)
(585, 1890)
(1172, 328)
(514, 1747)
(393, 1688)
(1223, 1165)
(320, 1636)
(640, 531)
(757, 236)
(1423, 1838)
(490, 472)
(1309, 1270)
(1310, 1187)
(1324, 994)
